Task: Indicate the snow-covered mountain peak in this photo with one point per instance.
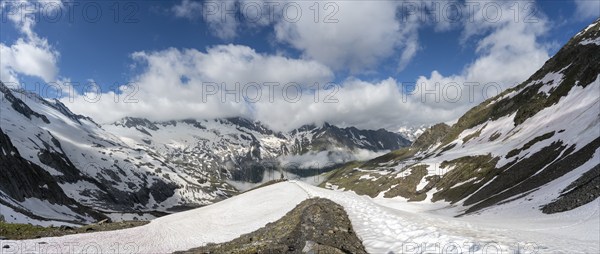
(411, 133)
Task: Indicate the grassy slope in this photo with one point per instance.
(27, 231)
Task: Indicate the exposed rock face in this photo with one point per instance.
(21, 180)
(19, 106)
(314, 226)
(586, 189)
(140, 124)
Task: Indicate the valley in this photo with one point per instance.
(517, 173)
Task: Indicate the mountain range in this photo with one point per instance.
(139, 166)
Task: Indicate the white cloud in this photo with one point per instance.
(587, 9)
(412, 46)
(344, 35)
(171, 86)
(326, 158)
(29, 55)
(163, 96)
(366, 32)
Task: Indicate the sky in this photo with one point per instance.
(369, 64)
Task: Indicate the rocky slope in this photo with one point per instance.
(536, 144)
(25, 186)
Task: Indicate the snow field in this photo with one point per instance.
(384, 225)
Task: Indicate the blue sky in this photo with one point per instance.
(103, 51)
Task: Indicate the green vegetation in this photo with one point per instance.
(374, 182)
(350, 180)
(390, 159)
(407, 186)
(536, 104)
(464, 178)
(533, 172)
(476, 178)
(340, 171)
(431, 136)
(27, 231)
(473, 135)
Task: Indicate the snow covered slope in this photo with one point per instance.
(534, 148)
(384, 226)
(28, 192)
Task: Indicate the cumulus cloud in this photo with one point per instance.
(174, 81)
(29, 55)
(162, 94)
(357, 36)
(33, 57)
(353, 35)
